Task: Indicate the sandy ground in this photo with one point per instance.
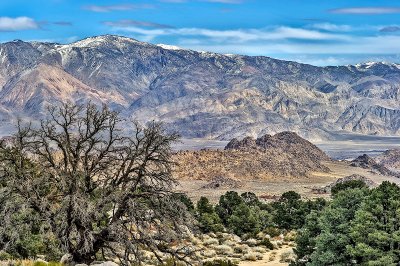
(277, 186)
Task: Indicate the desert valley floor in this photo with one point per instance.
(342, 151)
(277, 186)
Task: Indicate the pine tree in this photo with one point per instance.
(376, 228)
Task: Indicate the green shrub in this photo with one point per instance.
(272, 231)
(40, 263)
(227, 205)
(240, 249)
(54, 263)
(210, 222)
(208, 219)
(185, 200)
(287, 257)
(172, 262)
(290, 211)
(290, 236)
(265, 242)
(250, 199)
(5, 256)
(351, 184)
(244, 220)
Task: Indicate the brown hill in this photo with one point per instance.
(287, 142)
(284, 155)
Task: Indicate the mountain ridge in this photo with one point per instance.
(203, 94)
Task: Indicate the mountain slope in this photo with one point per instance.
(31, 90)
(201, 94)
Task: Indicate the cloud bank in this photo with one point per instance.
(366, 10)
(126, 23)
(235, 35)
(17, 24)
(119, 7)
(319, 44)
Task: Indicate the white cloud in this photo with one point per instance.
(363, 45)
(135, 23)
(17, 24)
(332, 27)
(119, 7)
(324, 43)
(237, 35)
(366, 10)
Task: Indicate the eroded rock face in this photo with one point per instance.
(366, 162)
(199, 94)
(390, 159)
(286, 142)
(284, 155)
(244, 144)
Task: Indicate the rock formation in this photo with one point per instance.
(390, 159)
(366, 162)
(284, 155)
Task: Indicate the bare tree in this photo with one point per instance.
(99, 189)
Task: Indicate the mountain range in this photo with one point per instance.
(199, 94)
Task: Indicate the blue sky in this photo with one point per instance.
(323, 32)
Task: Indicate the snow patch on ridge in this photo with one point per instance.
(169, 47)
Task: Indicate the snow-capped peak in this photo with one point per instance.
(101, 40)
(368, 65)
(169, 47)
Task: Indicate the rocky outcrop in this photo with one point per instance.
(366, 162)
(284, 155)
(390, 159)
(285, 142)
(222, 182)
(199, 94)
(67, 260)
(327, 189)
(244, 144)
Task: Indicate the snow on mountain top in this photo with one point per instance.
(103, 39)
(169, 47)
(368, 65)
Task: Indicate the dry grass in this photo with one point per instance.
(28, 262)
(243, 165)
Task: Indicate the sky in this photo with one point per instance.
(318, 32)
